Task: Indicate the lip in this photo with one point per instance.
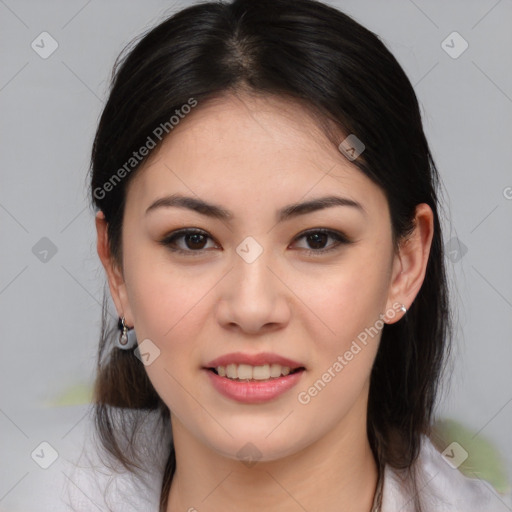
(253, 391)
(253, 360)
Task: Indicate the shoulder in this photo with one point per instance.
(84, 478)
(94, 478)
(442, 488)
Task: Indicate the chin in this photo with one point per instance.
(257, 447)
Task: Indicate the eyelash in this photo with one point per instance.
(340, 239)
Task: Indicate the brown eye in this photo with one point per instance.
(187, 241)
(317, 241)
(195, 240)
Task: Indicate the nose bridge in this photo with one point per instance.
(251, 263)
(252, 297)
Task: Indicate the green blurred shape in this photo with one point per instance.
(78, 394)
(484, 460)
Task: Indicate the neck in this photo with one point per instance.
(337, 473)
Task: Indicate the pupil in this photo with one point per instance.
(317, 240)
(194, 239)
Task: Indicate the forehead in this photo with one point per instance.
(250, 149)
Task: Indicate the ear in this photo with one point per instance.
(410, 264)
(114, 273)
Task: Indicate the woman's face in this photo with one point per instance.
(262, 282)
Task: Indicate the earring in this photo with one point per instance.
(402, 308)
(127, 339)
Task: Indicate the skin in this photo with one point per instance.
(253, 155)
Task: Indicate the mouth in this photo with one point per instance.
(260, 373)
(249, 384)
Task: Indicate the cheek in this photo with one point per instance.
(346, 340)
(170, 306)
(163, 296)
(347, 299)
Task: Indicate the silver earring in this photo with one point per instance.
(402, 308)
(127, 339)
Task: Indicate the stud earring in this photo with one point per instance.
(402, 308)
(127, 339)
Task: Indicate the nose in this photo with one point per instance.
(253, 297)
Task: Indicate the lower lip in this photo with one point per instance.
(253, 391)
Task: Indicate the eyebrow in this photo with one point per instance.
(285, 213)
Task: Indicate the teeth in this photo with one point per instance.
(275, 370)
(231, 371)
(244, 371)
(260, 372)
(248, 372)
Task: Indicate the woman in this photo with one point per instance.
(268, 219)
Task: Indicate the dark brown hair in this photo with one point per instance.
(342, 73)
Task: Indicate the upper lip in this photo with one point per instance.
(253, 360)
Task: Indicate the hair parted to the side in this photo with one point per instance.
(343, 75)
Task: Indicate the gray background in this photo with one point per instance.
(50, 310)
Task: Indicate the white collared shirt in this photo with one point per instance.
(442, 488)
(85, 484)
